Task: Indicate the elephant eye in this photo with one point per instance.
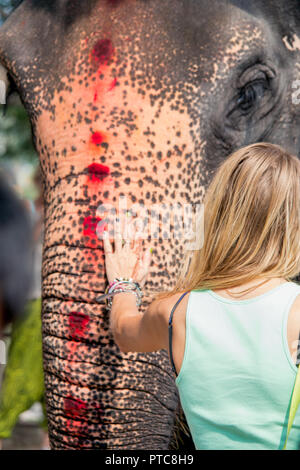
(255, 93)
(251, 94)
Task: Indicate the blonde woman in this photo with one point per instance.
(235, 312)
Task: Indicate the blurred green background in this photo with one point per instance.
(17, 154)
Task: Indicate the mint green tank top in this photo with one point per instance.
(237, 375)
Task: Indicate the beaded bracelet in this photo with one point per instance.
(120, 285)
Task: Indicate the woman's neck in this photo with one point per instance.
(250, 289)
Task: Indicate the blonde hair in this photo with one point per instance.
(251, 221)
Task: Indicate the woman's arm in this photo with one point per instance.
(138, 332)
(132, 330)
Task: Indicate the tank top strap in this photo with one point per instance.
(171, 331)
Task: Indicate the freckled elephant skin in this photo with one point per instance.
(142, 99)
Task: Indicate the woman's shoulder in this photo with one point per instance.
(166, 304)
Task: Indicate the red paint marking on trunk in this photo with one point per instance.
(90, 226)
(97, 138)
(98, 172)
(77, 424)
(78, 323)
(102, 51)
(113, 84)
(75, 408)
(95, 96)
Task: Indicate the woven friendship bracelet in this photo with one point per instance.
(118, 286)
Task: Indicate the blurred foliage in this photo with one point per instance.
(17, 154)
(15, 129)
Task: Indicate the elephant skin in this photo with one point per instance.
(142, 99)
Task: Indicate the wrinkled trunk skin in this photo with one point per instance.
(143, 100)
(96, 396)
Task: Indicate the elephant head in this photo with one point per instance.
(143, 100)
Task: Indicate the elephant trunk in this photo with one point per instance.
(96, 396)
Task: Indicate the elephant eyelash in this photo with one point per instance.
(251, 91)
(254, 97)
(258, 75)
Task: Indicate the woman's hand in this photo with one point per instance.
(126, 261)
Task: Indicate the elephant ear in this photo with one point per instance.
(15, 252)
